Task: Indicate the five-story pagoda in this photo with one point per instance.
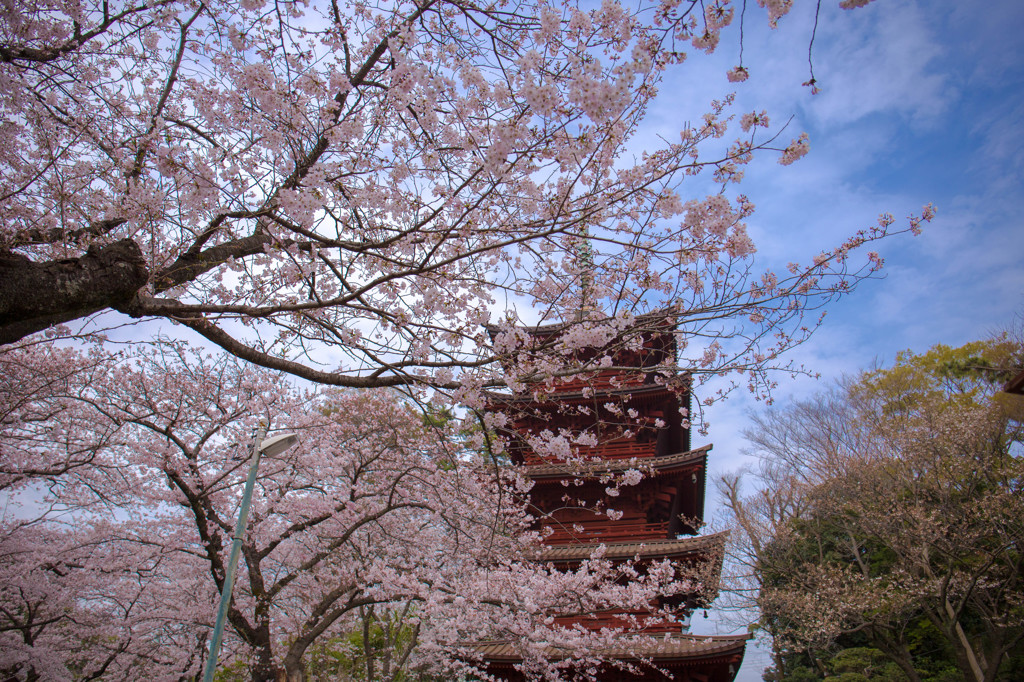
(630, 484)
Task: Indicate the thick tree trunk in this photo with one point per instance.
(294, 670)
(34, 296)
(264, 669)
(962, 650)
(965, 644)
(294, 666)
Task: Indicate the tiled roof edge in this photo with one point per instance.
(607, 466)
(625, 550)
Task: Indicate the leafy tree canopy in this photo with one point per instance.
(891, 521)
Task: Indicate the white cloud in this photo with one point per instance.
(880, 59)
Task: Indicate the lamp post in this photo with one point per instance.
(270, 447)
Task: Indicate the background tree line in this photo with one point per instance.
(886, 538)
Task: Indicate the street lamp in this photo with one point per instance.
(270, 447)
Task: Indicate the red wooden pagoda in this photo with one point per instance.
(637, 410)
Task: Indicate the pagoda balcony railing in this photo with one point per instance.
(612, 450)
(607, 531)
(620, 619)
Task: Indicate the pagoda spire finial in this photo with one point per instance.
(585, 263)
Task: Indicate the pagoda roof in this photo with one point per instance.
(1016, 384)
(664, 463)
(649, 549)
(673, 647)
(554, 327)
(589, 394)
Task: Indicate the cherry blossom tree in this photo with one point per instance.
(891, 518)
(95, 600)
(372, 182)
(74, 594)
(40, 383)
(377, 507)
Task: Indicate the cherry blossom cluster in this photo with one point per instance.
(376, 182)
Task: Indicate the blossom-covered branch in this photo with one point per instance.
(377, 181)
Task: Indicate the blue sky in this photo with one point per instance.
(921, 102)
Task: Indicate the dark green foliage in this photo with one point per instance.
(374, 649)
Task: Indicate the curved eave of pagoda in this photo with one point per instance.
(686, 470)
(679, 648)
(496, 399)
(692, 547)
(667, 317)
(1015, 385)
(680, 462)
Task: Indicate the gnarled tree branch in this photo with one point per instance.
(34, 296)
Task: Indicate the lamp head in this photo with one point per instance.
(278, 444)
